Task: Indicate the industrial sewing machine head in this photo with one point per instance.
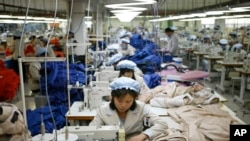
(93, 95)
(246, 64)
(92, 133)
(231, 57)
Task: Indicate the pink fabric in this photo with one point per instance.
(191, 75)
(170, 71)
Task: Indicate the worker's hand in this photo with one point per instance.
(140, 137)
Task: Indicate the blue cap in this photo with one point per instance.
(125, 82)
(40, 50)
(126, 64)
(223, 41)
(115, 58)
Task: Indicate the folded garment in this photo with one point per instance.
(171, 135)
(180, 100)
(211, 100)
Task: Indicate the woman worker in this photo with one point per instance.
(125, 111)
(115, 59)
(127, 69)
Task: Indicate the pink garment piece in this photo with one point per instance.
(170, 71)
(191, 75)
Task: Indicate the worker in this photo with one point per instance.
(217, 34)
(34, 71)
(125, 49)
(115, 59)
(172, 46)
(49, 48)
(124, 110)
(224, 45)
(127, 69)
(71, 50)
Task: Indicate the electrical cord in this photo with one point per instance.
(45, 66)
(21, 40)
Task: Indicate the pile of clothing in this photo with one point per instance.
(9, 83)
(58, 95)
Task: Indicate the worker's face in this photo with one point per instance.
(122, 104)
(124, 46)
(169, 33)
(128, 74)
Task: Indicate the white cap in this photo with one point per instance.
(223, 41)
(124, 40)
(126, 64)
(115, 58)
(193, 37)
(125, 83)
(122, 33)
(173, 28)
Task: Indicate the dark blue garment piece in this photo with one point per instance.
(34, 119)
(57, 81)
(152, 80)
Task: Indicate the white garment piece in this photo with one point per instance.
(34, 76)
(179, 100)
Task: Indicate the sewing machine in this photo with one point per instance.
(246, 64)
(93, 133)
(231, 57)
(93, 95)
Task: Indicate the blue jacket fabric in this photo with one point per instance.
(152, 80)
(58, 95)
(34, 119)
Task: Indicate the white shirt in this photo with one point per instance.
(172, 45)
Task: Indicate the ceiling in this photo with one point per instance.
(163, 8)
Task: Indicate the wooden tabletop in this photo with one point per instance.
(213, 57)
(230, 64)
(242, 71)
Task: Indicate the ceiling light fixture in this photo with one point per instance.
(126, 17)
(128, 10)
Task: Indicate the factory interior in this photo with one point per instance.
(124, 70)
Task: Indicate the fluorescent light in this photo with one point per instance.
(5, 16)
(138, 2)
(129, 9)
(88, 17)
(240, 9)
(199, 14)
(127, 17)
(214, 13)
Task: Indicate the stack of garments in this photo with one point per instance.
(58, 95)
(9, 83)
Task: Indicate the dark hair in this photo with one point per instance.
(124, 70)
(119, 93)
(169, 30)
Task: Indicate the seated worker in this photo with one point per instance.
(127, 69)
(34, 71)
(125, 49)
(115, 59)
(238, 48)
(223, 43)
(126, 111)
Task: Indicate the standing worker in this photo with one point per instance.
(172, 45)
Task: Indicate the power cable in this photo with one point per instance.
(45, 66)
